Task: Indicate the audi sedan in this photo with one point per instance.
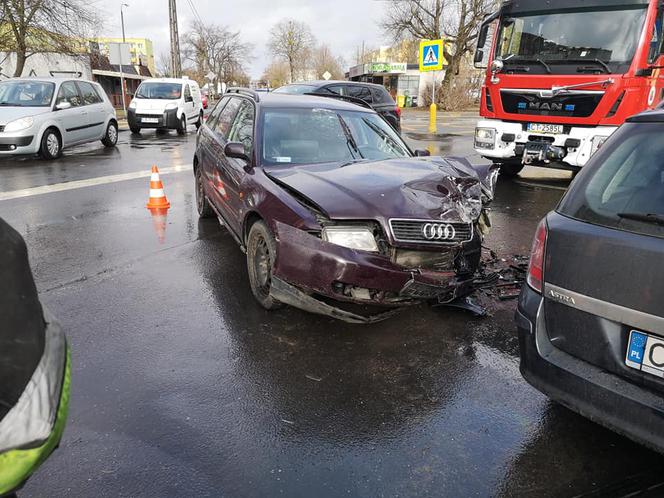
(333, 209)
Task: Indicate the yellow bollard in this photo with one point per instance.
(433, 128)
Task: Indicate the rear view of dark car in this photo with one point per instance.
(591, 319)
(376, 96)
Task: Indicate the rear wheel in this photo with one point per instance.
(510, 169)
(182, 129)
(261, 255)
(51, 145)
(111, 136)
(202, 203)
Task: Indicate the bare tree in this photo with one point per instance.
(210, 47)
(457, 21)
(47, 26)
(325, 61)
(163, 65)
(276, 74)
(290, 40)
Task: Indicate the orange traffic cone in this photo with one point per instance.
(157, 197)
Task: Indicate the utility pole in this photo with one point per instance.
(122, 80)
(176, 66)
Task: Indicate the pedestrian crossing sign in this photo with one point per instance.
(431, 55)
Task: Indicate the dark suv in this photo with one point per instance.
(591, 319)
(332, 207)
(376, 96)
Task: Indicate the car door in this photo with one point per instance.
(219, 187)
(189, 110)
(233, 169)
(73, 121)
(94, 107)
(205, 152)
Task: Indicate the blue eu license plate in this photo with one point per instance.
(645, 352)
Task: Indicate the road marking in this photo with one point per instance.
(89, 182)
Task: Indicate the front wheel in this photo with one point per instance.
(51, 145)
(111, 136)
(510, 169)
(261, 255)
(182, 129)
(202, 203)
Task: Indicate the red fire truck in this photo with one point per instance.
(562, 75)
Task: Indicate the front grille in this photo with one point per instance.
(576, 104)
(413, 231)
(436, 260)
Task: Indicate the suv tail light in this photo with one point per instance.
(397, 109)
(536, 266)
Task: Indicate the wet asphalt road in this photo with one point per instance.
(183, 386)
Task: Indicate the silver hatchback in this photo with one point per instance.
(45, 115)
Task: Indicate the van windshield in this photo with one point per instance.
(624, 185)
(26, 93)
(154, 90)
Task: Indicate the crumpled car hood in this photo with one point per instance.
(447, 189)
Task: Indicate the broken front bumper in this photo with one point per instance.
(307, 265)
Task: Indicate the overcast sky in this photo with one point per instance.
(342, 24)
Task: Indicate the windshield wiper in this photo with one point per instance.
(521, 60)
(350, 140)
(598, 62)
(657, 219)
(9, 104)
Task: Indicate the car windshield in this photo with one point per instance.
(562, 41)
(154, 90)
(295, 89)
(26, 93)
(307, 136)
(624, 187)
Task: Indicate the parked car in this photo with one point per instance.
(204, 101)
(376, 96)
(166, 103)
(331, 205)
(46, 115)
(35, 370)
(591, 318)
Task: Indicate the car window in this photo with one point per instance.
(187, 93)
(216, 110)
(243, 126)
(159, 90)
(360, 92)
(335, 89)
(26, 93)
(381, 96)
(295, 89)
(625, 177)
(225, 120)
(88, 93)
(309, 136)
(69, 93)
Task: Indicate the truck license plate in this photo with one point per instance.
(552, 129)
(645, 352)
(150, 120)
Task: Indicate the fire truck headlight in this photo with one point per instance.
(597, 142)
(485, 138)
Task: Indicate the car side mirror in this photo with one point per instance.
(62, 106)
(422, 153)
(236, 150)
(189, 99)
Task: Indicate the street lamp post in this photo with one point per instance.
(124, 40)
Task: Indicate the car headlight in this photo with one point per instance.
(19, 124)
(485, 138)
(171, 105)
(596, 143)
(132, 104)
(358, 238)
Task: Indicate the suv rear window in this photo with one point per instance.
(624, 187)
(381, 96)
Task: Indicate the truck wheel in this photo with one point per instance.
(51, 145)
(261, 254)
(510, 169)
(111, 136)
(202, 203)
(182, 128)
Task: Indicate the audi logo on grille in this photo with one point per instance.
(438, 231)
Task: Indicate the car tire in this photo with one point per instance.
(111, 135)
(135, 130)
(51, 145)
(510, 170)
(199, 123)
(202, 204)
(261, 254)
(182, 127)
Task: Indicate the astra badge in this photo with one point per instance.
(438, 231)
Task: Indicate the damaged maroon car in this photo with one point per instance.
(334, 210)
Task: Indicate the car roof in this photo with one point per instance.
(169, 80)
(336, 82)
(281, 100)
(653, 116)
(56, 80)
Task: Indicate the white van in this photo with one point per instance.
(166, 103)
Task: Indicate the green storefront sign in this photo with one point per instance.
(387, 67)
